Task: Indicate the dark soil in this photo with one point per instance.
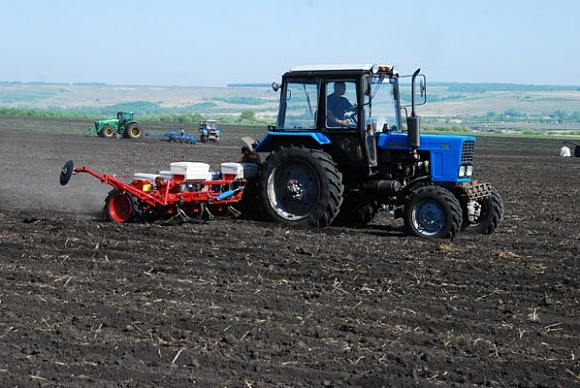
(236, 303)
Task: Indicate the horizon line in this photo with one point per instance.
(258, 84)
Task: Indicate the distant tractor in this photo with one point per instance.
(347, 144)
(209, 131)
(123, 126)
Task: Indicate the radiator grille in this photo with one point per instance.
(467, 152)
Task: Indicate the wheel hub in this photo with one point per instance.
(120, 208)
(429, 218)
(295, 189)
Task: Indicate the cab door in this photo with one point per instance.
(340, 121)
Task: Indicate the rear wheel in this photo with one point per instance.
(301, 186)
(133, 130)
(433, 212)
(121, 207)
(490, 214)
(107, 131)
(204, 138)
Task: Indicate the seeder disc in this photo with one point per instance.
(66, 172)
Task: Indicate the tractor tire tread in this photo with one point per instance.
(497, 212)
(128, 133)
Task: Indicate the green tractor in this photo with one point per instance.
(123, 126)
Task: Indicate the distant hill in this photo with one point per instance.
(495, 87)
(447, 102)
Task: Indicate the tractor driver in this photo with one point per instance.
(337, 105)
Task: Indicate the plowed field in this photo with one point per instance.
(237, 303)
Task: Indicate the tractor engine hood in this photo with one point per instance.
(429, 142)
(447, 154)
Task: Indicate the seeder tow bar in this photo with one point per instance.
(188, 188)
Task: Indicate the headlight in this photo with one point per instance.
(465, 171)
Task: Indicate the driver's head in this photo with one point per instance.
(339, 88)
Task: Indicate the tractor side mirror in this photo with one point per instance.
(421, 97)
(275, 86)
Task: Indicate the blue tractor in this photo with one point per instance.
(209, 131)
(347, 144)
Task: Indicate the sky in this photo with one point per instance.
(218, 42)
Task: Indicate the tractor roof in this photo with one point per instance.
(337, 69)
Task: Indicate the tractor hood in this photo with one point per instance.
(449, 155)
(429, 142)
(113, 122)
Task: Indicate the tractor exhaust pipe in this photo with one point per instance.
(413, 124)
(386, 188)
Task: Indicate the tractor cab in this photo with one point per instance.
(125, 117)
(340, 109)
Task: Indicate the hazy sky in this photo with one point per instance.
(216, 42)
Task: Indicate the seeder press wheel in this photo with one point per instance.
(120, 207)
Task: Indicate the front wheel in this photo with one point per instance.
(433, 212)
(301, 186)
(107, 131)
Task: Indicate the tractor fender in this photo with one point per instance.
(275, 140)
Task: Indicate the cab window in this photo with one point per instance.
(301, 104)
(341, 104)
